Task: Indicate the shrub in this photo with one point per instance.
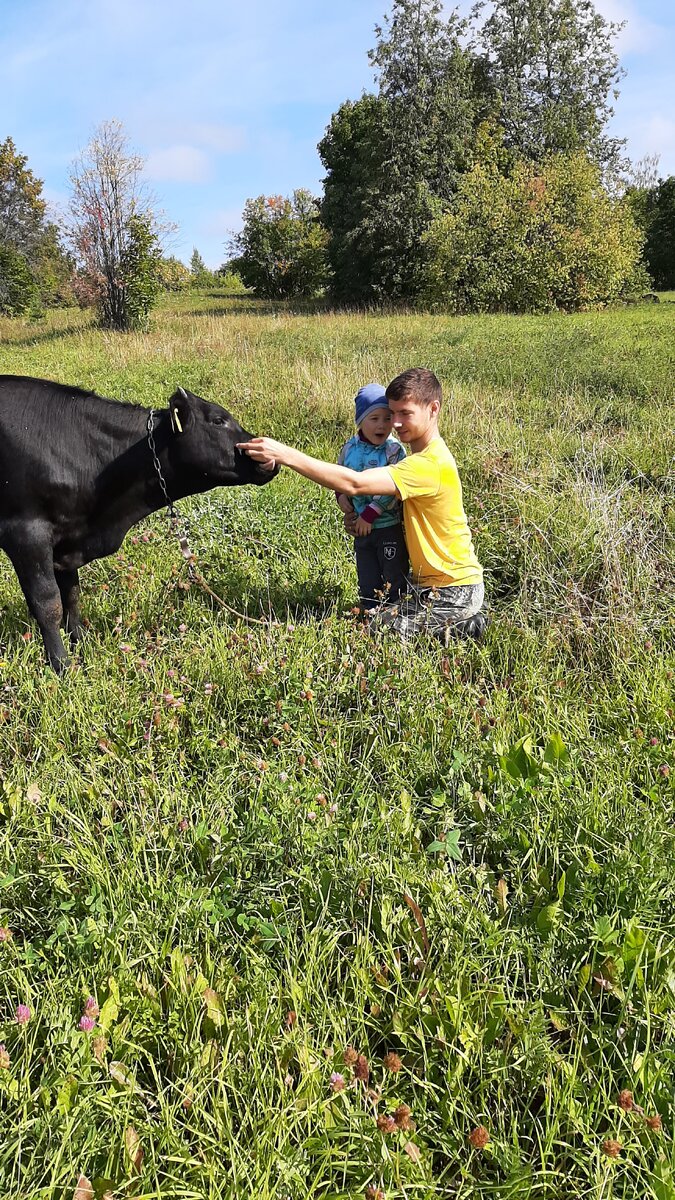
(231, 282)
(538, 238)
(173, 275)
(281, 251)
(18, 290)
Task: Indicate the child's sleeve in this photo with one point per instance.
(379, 504)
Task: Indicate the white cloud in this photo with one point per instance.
(222, 222)
(658, 135)
(178, 164)
(226, 139)
(639, 35)
(220, 137)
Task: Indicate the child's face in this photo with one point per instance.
(376, 427)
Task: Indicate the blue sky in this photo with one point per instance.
(228, 99)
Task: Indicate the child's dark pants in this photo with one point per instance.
(382, 565)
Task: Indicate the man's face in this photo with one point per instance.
(376, 426)
(411, 420)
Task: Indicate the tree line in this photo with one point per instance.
(478, 176)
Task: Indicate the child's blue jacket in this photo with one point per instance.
(360, 455)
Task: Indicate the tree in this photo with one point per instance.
(554, 67)
(654, 210)
(353, 153)
(391, 157)
(201, 276)
(197, 264)
(34, 266)
(281, 250)
(113, 230)
(538, 238)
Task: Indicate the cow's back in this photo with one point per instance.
(54, 442)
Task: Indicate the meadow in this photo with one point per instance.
(287, 912)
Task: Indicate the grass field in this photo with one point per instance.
(260, 846)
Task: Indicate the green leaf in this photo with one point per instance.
(452, 845)
(109, 1013)
(662, 1182)
(556, 751)
(66, 1096)
(548, 917)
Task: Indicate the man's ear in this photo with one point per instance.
(180, 411)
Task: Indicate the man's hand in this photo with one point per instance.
(350, 523)
(345, 504)
(266, 452)
(362, 528)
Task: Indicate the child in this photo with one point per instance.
(447, 597)
(379, 544)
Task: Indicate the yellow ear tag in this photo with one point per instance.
(177, 421)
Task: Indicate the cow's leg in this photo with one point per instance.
(68, 583)
(32, 560)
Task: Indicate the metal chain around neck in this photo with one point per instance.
(173, 511)
(179, 519)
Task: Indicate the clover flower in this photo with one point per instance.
(99, 1046)
(361, 1068)
(337, 1082)
(403, 1118)
(23, 1014)
(386, 1123)
(611, 1148)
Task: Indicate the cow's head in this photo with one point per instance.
(203, 444)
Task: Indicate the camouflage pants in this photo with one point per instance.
(442, 613)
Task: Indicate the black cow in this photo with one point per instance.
(77, 471)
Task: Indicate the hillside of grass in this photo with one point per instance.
(331, 905)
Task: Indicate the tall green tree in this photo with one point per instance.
(654, 210)
(391, 158)
(554, 67)
(353, 151)
(201, 276)
(281, 250)
(34, 267)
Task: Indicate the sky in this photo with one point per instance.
(227, 99)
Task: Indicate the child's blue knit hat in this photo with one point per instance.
(369, 398)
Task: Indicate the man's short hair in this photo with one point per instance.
(417, 384)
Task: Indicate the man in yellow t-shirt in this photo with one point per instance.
(447, 594)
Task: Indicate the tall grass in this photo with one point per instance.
(259, 845)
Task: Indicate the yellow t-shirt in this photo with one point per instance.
(439, 539)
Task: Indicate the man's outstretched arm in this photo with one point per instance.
(375, 482)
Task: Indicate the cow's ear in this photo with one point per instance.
(180, 411)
